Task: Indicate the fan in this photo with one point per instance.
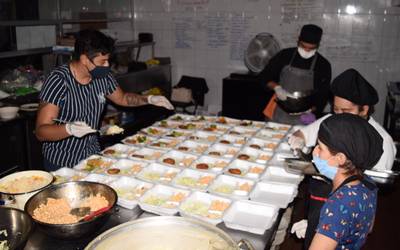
(259, 51)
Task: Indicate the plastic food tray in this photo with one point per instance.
(227, 121)
(216, 128)
(155, 131)
(168, 124)
(279, 158)
(100, 178)
(204, 201)
(166, 206)
(158, 173)
(243, 131)
(278, 127)
(268, 134)
(164, 143)
(138, 139)
(265, 145)
(254, 155)
(180, 117)
(127, 167)
(233, 185)
(222, 150)
(68, 174)
(193, 179)
(191, 126)
(192, 147)
(119, 150)
(101, 168)
(178, 134)
(279, 174)
(177, 159)
(248, 169)
(278, 194)
(213, 164)
(250, 216)
(233, 140)
(129, 191)
(204, 137)
(251, 124)
(147, 154)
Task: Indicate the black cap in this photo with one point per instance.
(353, 136)
(310, 33)
(352, 86)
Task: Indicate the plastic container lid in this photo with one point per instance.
(279, 174)
(278, 194)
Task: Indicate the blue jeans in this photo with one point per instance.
(48, 166)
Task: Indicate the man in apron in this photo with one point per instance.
(302, 69)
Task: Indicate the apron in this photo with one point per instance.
(294, 79)
(318, 195)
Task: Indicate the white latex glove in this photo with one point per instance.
(281, 93)
(296, 142)
(159, 100)
(300, 228)
(78, 129)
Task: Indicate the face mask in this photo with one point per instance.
(99, 71)
(324, 168)
(306, 54)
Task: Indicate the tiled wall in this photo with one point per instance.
(207, 37)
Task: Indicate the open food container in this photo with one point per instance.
(147, 154)
(193, 179)
(277, 194)
(191, 126)
(233, 140)
(158, 173)
(212, 164)
(216, 128)
(226, 120)
(164, 143)
(254, 155)
(234, 187)
(204, 137)
(168, 124)
(260, 144)
(129, 191)
(251, 124)
(240, 168)
(192, 147)
(163, 200)
(278, 127)
(100, 178)
(95, 163)
(178, 134)
(177, 159)
(279, 174)
(119, 151)
(222, 150)
(250, 216)
(180, 117)
(126, 167)
(68, 174)
(155, 131)
(268, 134)
(139, 139)
(206, 207)
(243, 131)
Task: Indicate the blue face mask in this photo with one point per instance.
(324, 168)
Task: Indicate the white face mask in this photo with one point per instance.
(306, 54)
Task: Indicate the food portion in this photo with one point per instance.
(216, 165)
(131, 193)
(97, 163)
(199, 182)
(137, 139)
(179, 161)
(171, 201)
(237, 188)
(113, 130)
(24, 184)
(212, 210)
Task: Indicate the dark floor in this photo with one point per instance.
(386, 232)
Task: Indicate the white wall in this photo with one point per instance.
(207, 37)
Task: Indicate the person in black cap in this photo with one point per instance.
(352, 94)
(347, 145)
(300, 68)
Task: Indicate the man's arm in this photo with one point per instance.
(46, 130)
(127, 99)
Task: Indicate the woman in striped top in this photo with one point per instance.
(76, 93)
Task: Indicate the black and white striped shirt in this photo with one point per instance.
(76, 102)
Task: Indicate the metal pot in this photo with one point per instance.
(300, 101)
(170, 232)
(74, 192)
(18, 225)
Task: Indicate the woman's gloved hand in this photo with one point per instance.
(281, 93)
(159, 100)
(296, 142)
(300, 228)
(78, 129)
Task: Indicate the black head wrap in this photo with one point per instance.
(352, 86)
(310, 33)
(353, 136)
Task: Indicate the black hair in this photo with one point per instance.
(91, 42)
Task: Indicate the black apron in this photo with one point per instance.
(318, 195)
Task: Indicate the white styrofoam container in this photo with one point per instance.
(215, 165)
(278, 127)
(279, 174)
(154, 131)
(223, 150)
(68, 174)
(227, 121)
(206, 200)
(129, 191)
(201, 180)
(250, 216)
(158, 173)
(135, 139)
(243, 131)
(278, 194)
(82, 165)
(128, 167)
(234, 183)
(178, 134)
(165, 193)
(180, 117)
(265, 145)
(204, 137)
(147, 154)
(255, 155)
(192, 147)
(168, 124)
(251, 124)
(120, 150)
(248, 169)
(181, 159)
(268, 134)
(191, 126)
(164, 143)
(100, 178)
(216, 128)
(233, 140)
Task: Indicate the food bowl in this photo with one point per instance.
(18, 226)
(75, 193)
(299, 102)
(22, 185)
(8, 113)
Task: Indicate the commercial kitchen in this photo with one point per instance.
(199, 124)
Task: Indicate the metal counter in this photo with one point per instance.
(40, 241)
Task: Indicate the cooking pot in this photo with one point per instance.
(168, 232)
(299, 101)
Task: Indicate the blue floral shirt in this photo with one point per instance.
(347, 216)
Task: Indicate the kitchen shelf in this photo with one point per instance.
(25, 52)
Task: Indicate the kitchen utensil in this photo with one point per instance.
(96, 213)
(80, 211)
(18, 226)
(298, 102)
